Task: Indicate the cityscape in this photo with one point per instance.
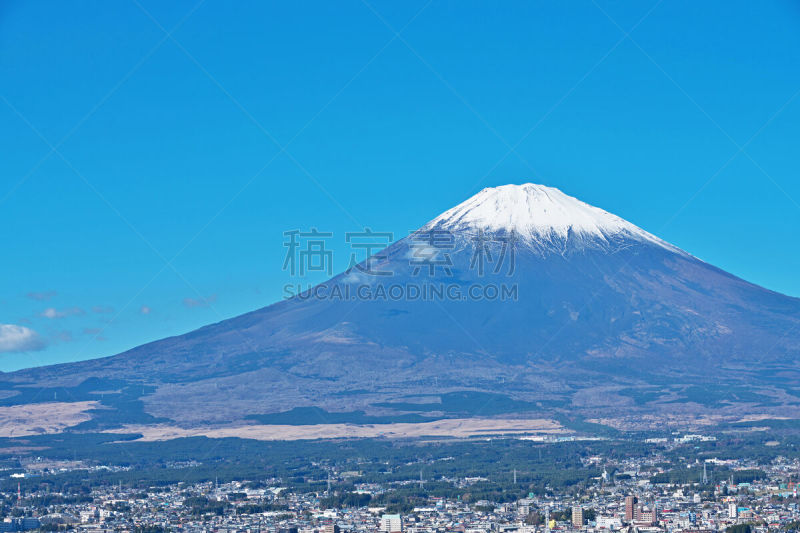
(629, 495)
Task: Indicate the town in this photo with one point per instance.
(636, 494)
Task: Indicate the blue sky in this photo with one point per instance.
(154, 153)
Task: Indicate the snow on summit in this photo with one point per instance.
(537, 213)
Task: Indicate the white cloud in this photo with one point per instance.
(15, 338)
(52, 312)
(356, 277)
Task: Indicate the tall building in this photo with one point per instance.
(630, 508)
(577, 516)
(391, 523)
(733, 512)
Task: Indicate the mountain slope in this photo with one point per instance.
(600, 317)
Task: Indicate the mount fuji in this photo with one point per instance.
(520, 301)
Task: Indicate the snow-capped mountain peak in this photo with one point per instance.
(537, 214)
